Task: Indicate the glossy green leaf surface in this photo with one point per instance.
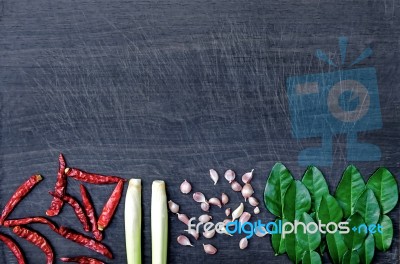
(316, 184)
(297, 200)
(367, 250)
(293, 250)
(351, 257)
(384, 240)
(336, 247)
(278, 243)
(311, 257)
(308, 241)
(355, 238)
(367, 206)
(329, 210)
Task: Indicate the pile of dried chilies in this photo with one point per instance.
(85, 214)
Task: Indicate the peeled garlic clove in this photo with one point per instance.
(184, 241)
(215, 201)
(238, 212)
(205, 218)
(186, 187)
(193, 233)
(214, 176)
(246, 178)
(256, 210)
(224, 198)
(209, 249)
(230, 175)
(245, 217)
(183, 218)
(199, 197)
(261, 231)
(209, 234)
(173, 207)
(253, 201)
(243, 243)
(205, 206)
(226, 232)
(228, 211)
(236, 186)
(247, 191)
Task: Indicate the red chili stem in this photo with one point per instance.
(82, 260)
(77, 208)
(93, 178)
(13, 246)
(110, 207)
(90, 212)
(36, 239)
(18, 195)
(61, 185)
(85, 241)
(30, 220)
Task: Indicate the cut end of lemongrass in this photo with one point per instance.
(135, 183)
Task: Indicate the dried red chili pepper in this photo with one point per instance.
(90, 212)
(36, 239)
(82, 260)
(61, 184)
(110, 207)
(30, 220)
(94, 178)
(12, 245)
(85, 241)
(77, 208)
(19, 194)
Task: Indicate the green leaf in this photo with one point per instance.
(367, 206)
(297, 200)
(367, 250)
(322, 246)
(351, 257)
(293, 250)
(384, 186)
(311, 257)
(355, 238)
(384, 240)
(349, 189)
(278, 243)
(278, 182)
(306, 240)
(316, 184)
(336, 247)
(329, 210)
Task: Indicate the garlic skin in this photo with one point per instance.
(238, 212)
(184, 241)
(215, 201)
(228, 211)
(209, 249)
(214, 176)
(199, 197)
(253, 201)
(227, 221)
(236, 186)
(185, 187)
(224, 198)
(183, 218)
(261, 231)
(246, 178)
(247, 191)
(173, 207)
(193, 233)
(209, 234)
(256, 210)
(230, 175)
(205, 206)
(243, 243)
(205, 218)
(245, 217)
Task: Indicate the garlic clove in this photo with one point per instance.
(253, 201)
(245, 217)
(261, 231)
(256, 210)
(226, 221)
(247, 191)
(215, 201)
(184, 241)
(227, 211)
(209, 234)
(224, 198)
(173, 207)
(210, 249)
(243, 243)
(230, 175)
(205, 218)
(193, 233)
(246, 178)
(236, 186)
(186, 187)
(214, 176)
(238, 212)
(183, 218)
(223, 231)
(199, 197)
(205, 206)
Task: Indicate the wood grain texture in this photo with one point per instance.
(168, 90)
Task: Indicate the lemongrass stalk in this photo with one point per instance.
(133, 221)
(159, 223)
